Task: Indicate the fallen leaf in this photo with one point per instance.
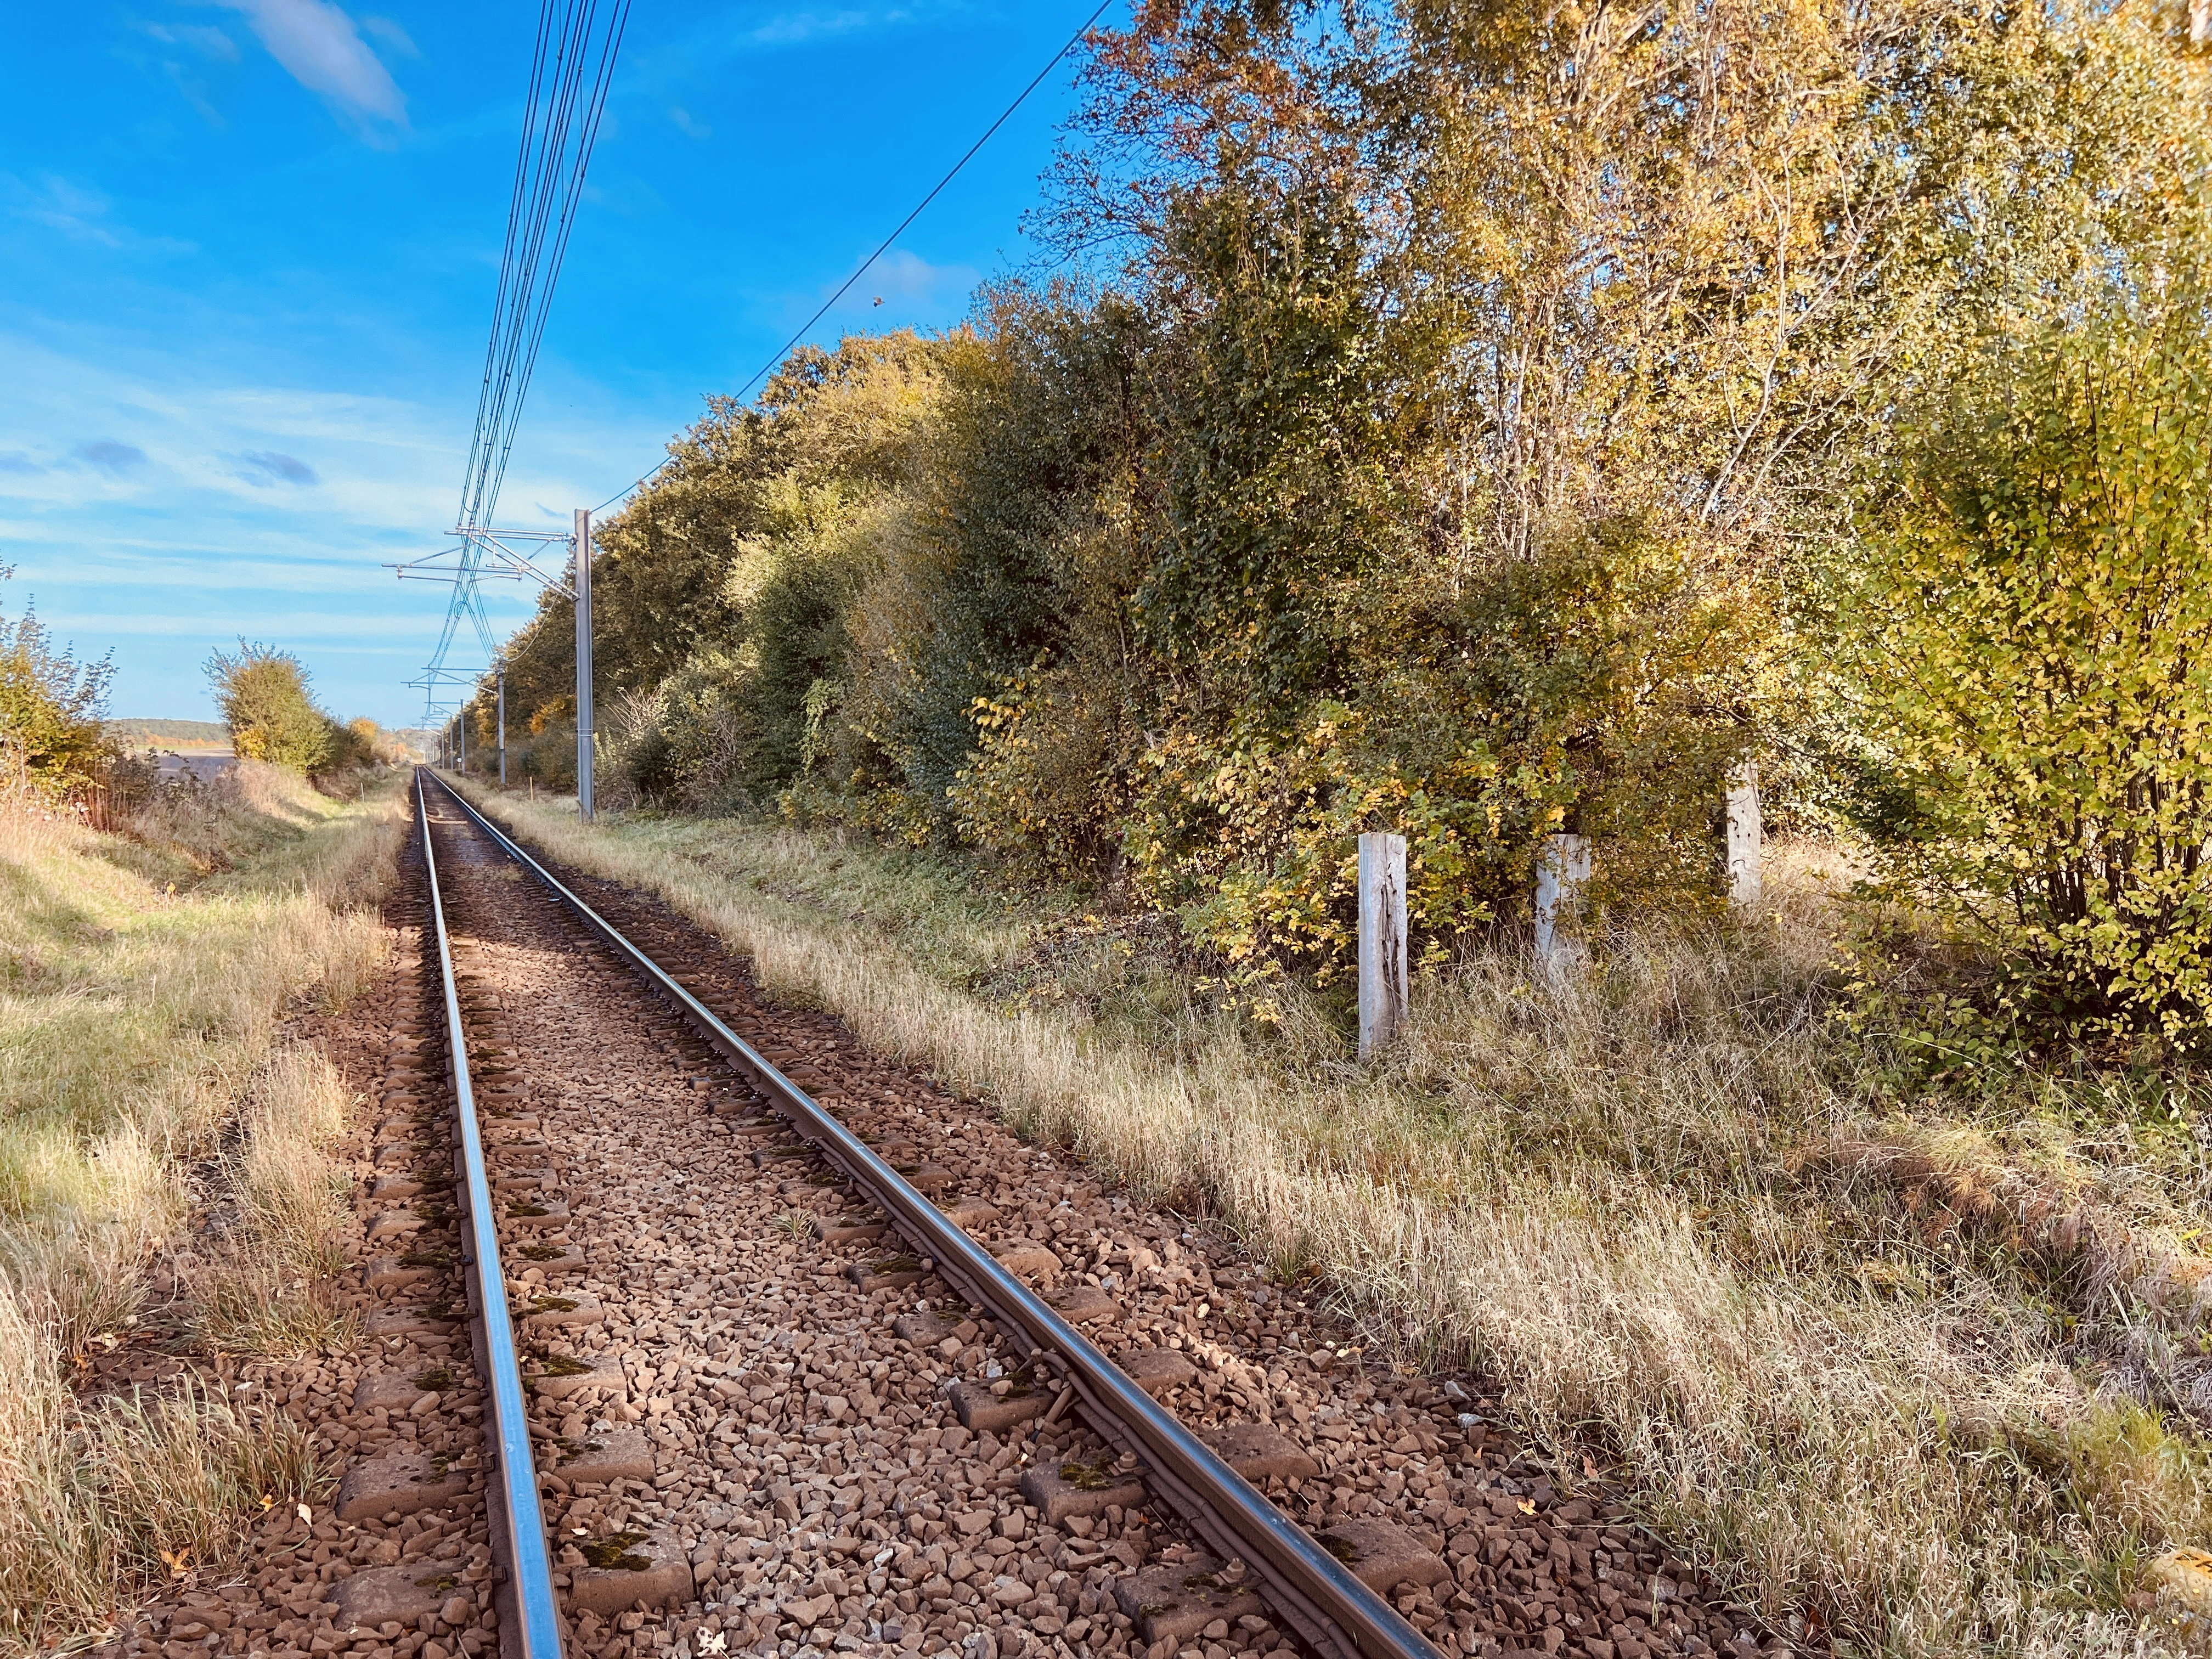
(2184, 1575)
(305, 1513)
(1527, 1506)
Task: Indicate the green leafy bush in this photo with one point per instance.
(2027, 636)
(51, 706)
(1606, 686)
(264, 697)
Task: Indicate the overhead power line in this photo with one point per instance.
(883, 248)
(561, 122)
(572, 64)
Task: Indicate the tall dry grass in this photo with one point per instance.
(141, 983)
(268, 1293)
(99, 1501)
(1895, 1428)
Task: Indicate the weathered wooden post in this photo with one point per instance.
(1743, 837)
(1381, 941)
(1563, 867)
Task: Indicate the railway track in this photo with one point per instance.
(808, 1355)
(1044, 1366)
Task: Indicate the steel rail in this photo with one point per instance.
(530, 1568)
(1318, 1595)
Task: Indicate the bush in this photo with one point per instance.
(2026, 640)
(1606, 686)
(545, 756)
(263, 697)
(51, 706)
(685, 742)
(361, 744)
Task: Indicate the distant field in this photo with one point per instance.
(183, 736)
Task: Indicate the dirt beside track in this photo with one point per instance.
(284, 1595)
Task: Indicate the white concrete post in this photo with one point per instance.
(1743, 837)
(1381, 941)
(1563, 867)
(503, 723)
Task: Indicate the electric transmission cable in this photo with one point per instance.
(883, 248)
(572, 64)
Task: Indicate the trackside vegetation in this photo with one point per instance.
(142, 977)
(1916, 1368)
(51, 739)
(145, 967)
(271, 715)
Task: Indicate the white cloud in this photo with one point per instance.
(896, 286)
(688, 124)
(67, 207)
(793, 28)
(78, 213)
(207, 42)
(691, 45)
(218, 530)
(109, 456)
(318, 46)
(202, 45)
(264, 467)
(395, 39)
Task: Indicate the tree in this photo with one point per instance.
(263, 697)
(1484, 391)
(51, 706)
(991, 668)
(2027, 638)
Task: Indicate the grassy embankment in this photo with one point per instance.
(143, 979)
(1877, 1349)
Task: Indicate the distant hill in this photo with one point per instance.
(179, 735)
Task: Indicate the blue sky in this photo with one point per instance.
(247, 251)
